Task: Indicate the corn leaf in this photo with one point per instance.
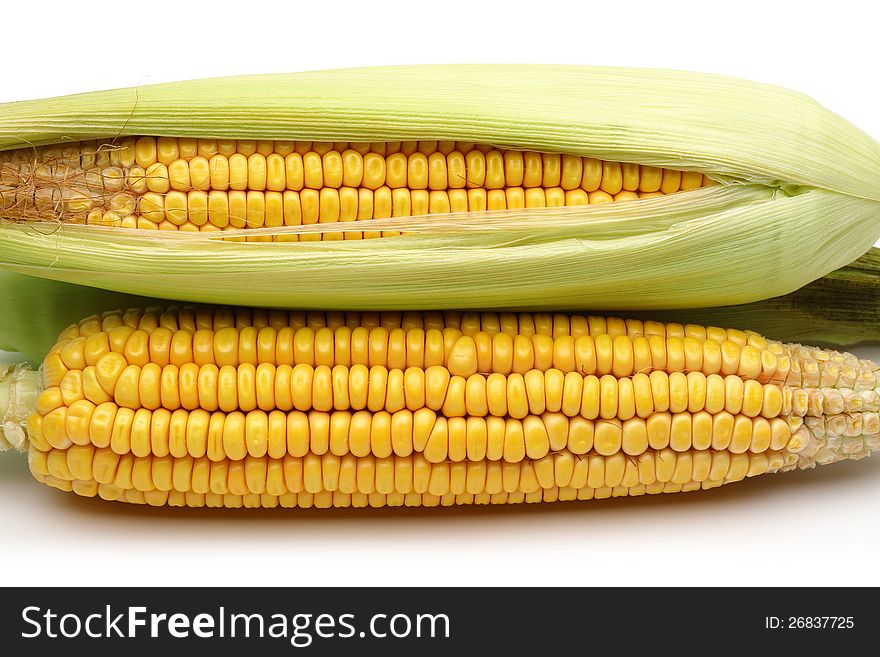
(839, 309)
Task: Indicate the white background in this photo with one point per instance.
(817, 527)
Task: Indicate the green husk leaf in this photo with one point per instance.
(36, 310)
(716, 246)
(839, 309)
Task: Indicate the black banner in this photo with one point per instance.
(332, 621)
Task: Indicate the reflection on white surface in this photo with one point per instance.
(871, 351)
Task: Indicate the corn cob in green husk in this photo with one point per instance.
(471, 187)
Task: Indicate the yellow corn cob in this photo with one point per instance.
(168, 183)
(240, 407)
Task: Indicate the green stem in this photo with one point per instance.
(841, 308)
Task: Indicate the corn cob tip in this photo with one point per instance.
(834, 425)
(19, 386)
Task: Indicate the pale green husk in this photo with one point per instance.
(840, 309)
(801, 194)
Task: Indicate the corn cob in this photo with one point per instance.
(491, 183)
(240, 407)
(207, 184)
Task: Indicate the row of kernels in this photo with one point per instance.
(149, 150)
(91, 169)
(264, 165)
(112, 219)
(399, 348)
(519, 325)
(347, 474)
(89, 154)
(811, 368)
(701, 431)
(816, 402)
(249, 346)
(806, 352)
(100, 179)
(669, 466)
(603, 354)
(855, 401)
(160, 381)
(273, 209)
(837, 438)
(849, 425)
(350, 474)
(337, 499)
(468, 322)
(257, 432)
(240, 209)
(609, 397)
(858, 444)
